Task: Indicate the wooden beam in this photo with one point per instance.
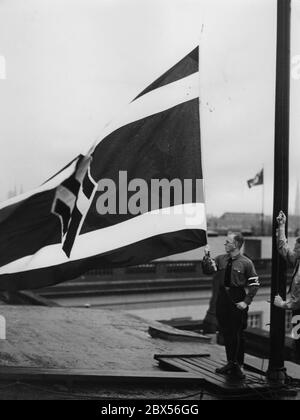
(86, 376)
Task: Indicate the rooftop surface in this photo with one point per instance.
(82, 339)
(93, 340)
(68, 338)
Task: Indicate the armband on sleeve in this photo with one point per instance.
(253, 282)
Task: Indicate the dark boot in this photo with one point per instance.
(225, 369)
(237, 372)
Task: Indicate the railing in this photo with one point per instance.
(161, 269)
(156, 277)
(164, 269)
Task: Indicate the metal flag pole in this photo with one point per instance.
(263, 203)
(276, 370)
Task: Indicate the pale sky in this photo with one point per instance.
(72, 65)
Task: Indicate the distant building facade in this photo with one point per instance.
(249, 223)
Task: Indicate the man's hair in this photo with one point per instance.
(239, 239)
(298, 240)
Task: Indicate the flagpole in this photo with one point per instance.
(263, 204)
(276, 371)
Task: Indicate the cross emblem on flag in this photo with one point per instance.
(72, 201)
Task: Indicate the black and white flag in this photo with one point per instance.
(257, 180)
(62, 229)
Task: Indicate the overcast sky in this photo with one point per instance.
(72, 65)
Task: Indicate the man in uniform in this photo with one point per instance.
(292, 256)
(235, 273)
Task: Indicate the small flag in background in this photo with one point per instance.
(257, 180)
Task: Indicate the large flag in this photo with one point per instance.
(105, 208)
(257, 180)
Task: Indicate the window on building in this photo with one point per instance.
(255, 320)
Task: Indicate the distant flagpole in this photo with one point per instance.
(259, 180)
(263, 204)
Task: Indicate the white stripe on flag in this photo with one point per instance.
(186, 216)
(158, 100)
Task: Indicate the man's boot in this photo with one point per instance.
(236, 372)
(225, 369)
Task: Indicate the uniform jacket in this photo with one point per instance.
(293, 302)
(243, 273)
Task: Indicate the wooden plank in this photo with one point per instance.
(95, 376)
(205, 375)
(214, 363)
(208, 364)
(223, 384)
(190, 366)
(208, 372)
(219, 382)
(171, 334)
(257, 378)
(251, 365)
(165, 365)
(186, 358)
(205, 367)
(202, 360)
(182, 366)
(203, 364)
(185, 366)
(227, 382)
(172, 356)
(252, 382)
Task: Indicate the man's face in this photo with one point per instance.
(230, 244)
(297, 248)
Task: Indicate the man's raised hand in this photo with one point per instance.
(281, 218)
